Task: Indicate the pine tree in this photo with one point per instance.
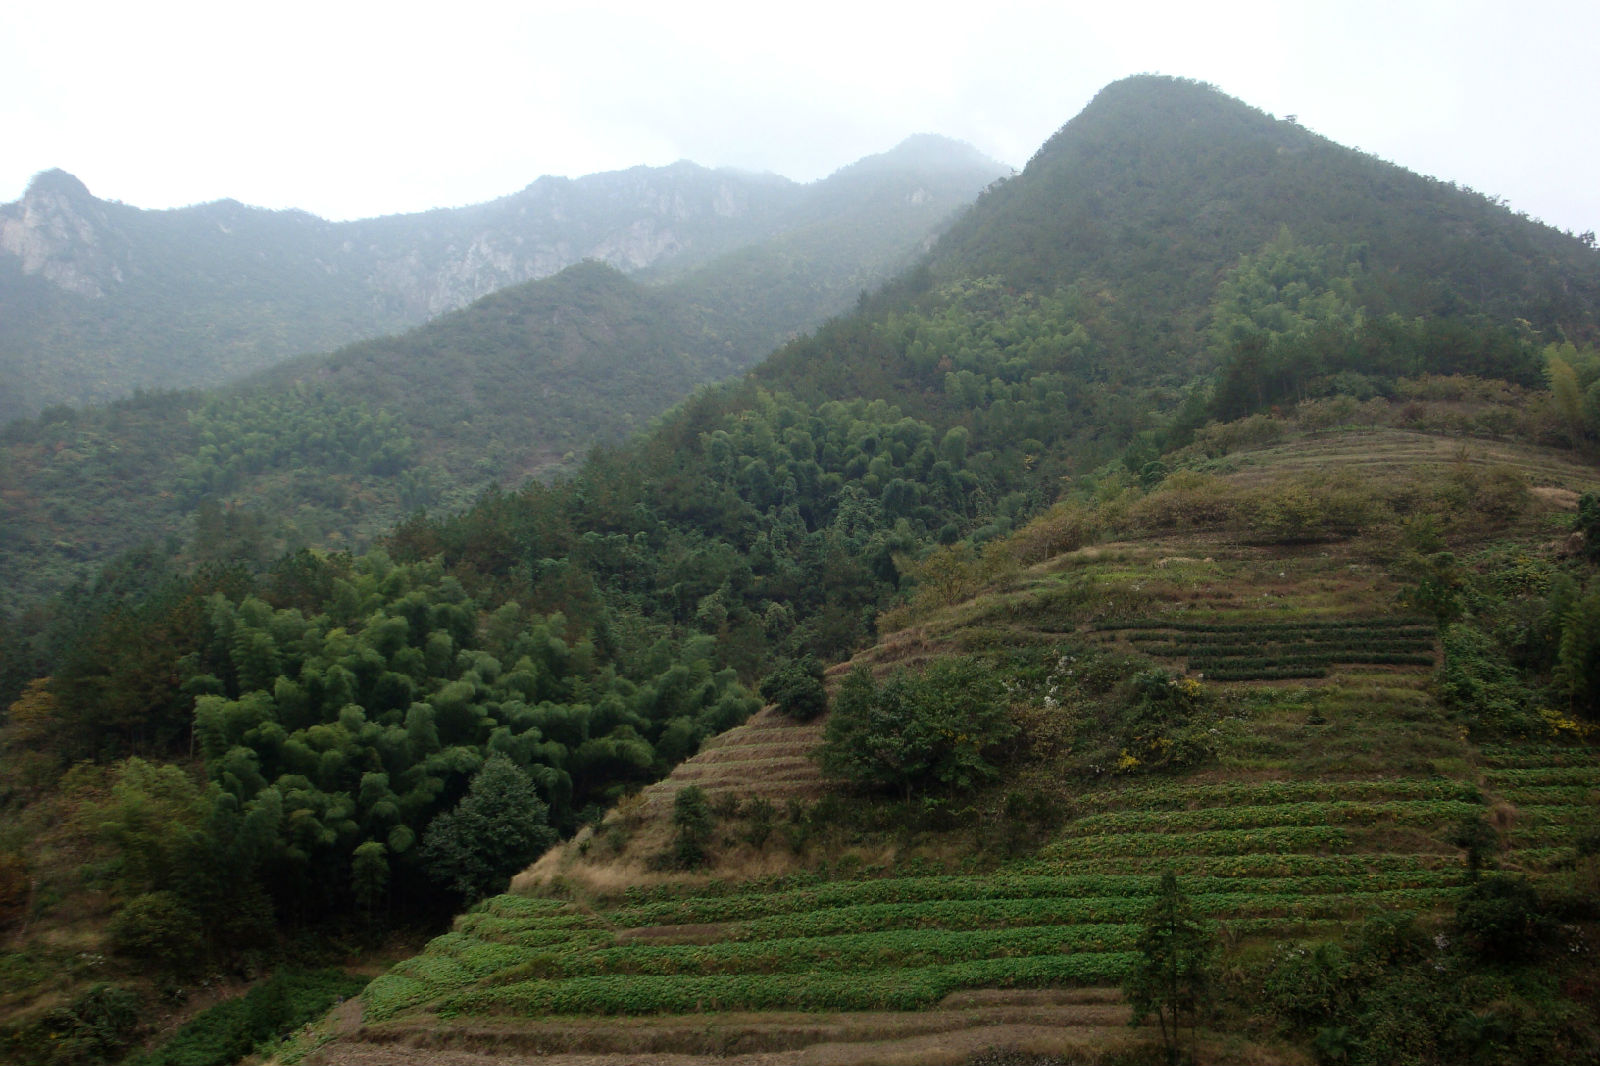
(1171, 978)
(496, 830)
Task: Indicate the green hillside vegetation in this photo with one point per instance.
(1343, 840)
(330, 451)
(1213, 180)
(1050, 542)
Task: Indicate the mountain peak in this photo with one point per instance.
(925, 152)
(58, 181)
(1157, 107)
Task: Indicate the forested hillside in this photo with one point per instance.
(329, 451)
(341, 738)
(99, 299)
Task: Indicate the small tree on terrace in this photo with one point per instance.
(797, 688)
(941, 730)
(1171, 978)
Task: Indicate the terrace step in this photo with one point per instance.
(966, 1021)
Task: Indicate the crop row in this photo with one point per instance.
(1533, 814)
(1016, 885)
(1553, 795)
(462, 956)
(1010, 891)
(841, 952)
(842, 942)
(1220, 842)
(1334, 812)
(1176, 649)
(527, 933)
(389, 994)
(845, 952)
(904, 968)
(996, 914)
(1526, 835)
(1392, 870)
(448, 962)
(1279, 673)
(1545, 775)
(1286, 637)
(1420, 625)
(1267, 662)
(553, 913)
(1233, 793)
(458, 955)
(1522, 756)
(1543, 858)
(899, 989)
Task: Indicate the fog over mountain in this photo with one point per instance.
(98, 298)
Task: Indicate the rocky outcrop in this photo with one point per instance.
(62, 233)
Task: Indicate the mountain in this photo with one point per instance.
(1268, 565)
(98, 299)
(521, 383)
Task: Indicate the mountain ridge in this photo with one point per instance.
(97, 298)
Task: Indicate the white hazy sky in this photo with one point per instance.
(352, 109)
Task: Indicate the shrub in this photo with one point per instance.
(1481, 686)
(1307, 986)
(1186, 499)
(98, 1026)
(1219, 439)
(796, 687)
(691, 819)
(939, 731)
(1165, 723)
(1499, 918)
(157, 927)
(763, 815)
(1065, 527)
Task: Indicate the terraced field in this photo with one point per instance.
(1546, 796)
(1336, 787)
(1268, 859)
(768, 757)
(1387, 453)
(1266, 854)
(1273, 651)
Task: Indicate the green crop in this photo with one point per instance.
(1324, 813)
(897, 989)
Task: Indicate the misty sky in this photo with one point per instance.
(353, 109)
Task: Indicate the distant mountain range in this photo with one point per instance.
(98, 299)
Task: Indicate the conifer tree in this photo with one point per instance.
(496, 830)
(1172, 975)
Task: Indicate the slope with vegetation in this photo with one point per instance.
(1044, 513)
(1382, 800)
(330, 451)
